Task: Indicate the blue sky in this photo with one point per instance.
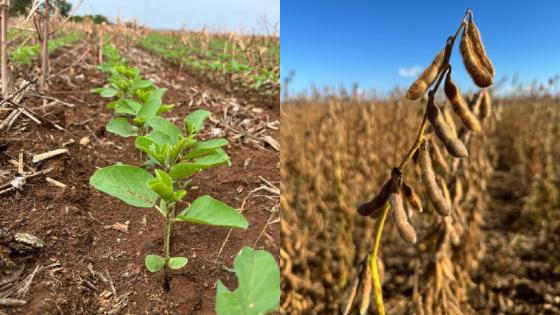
(235, 15)
(379, 43)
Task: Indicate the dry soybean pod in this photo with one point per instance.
(460, 106)
(417, 174)
(444, 189)
(457, 190)
(406, 231)
(366, 291)
(412, 197)
(429, 179)
(478, 46)
(485, 105)
(438, 156)
(454, 146)
(474, 104)
(449, 118)
(421, 85)
(369, 208)
(479, 74)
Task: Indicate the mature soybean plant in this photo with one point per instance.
(396, 194)
(176, 156)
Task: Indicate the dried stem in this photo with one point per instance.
(407, 158)
(44, 29)
(4, 42)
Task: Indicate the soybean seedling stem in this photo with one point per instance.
(170, 209)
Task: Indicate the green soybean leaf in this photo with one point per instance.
(258, 291)
(146, 145)
(162, 185)
(112, 104)
(157, 93)
(154, 263)
(219, 152)
(150, 163)
(179, 195)
(161, 175)
(195, 120)
(127, 106)
(179, 147)
(152, 105)
(165, 108)
(141, 84)
(120, 126)
(165, 127)
(120, 84)
(186, 169)
(139, 121)
(142, 95)
(209, 211)
(149, 109)
(108, 92)
(127, 183)
(160, 137)
(177, 262)
(152, 148)
(202, 148)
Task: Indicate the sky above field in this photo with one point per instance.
(245, 15)
(383, 44)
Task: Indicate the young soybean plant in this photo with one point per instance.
(395, 194)
(176, 156)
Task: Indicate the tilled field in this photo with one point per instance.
(93, 258)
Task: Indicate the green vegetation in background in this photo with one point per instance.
(217, 65)
(21, 7)
(96, 18)
(14, 32)
(25, 55)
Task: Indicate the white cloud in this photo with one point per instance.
(410, 72)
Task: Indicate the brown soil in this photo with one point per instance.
(83, 256)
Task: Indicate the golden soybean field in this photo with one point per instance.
(502, 254)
